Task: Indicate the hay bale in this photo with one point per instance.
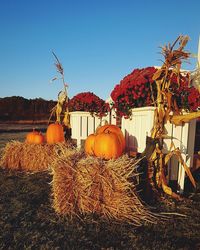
(28, 157)
(84, 185)
(63, 184)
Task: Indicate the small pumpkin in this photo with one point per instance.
(39, 139)
(30, 136)
(89, 144)
(55, 133)
(107, 145)
(35, 137)
(114, 129)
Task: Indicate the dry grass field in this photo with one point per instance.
(28, 220)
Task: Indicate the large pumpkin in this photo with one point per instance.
(89, 144)
(107, 145)
(114, 129)
(55, 133)
(35, 137)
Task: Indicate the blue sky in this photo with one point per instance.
(97, 42)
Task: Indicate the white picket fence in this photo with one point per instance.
(135, 131)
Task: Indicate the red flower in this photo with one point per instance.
(133, 91)
(89, 102)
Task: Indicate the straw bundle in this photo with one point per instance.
(28, 157)
(63, 184)
(84, 185)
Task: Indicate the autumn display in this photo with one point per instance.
(101, 178)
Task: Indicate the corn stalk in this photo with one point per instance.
(165, 104)
(63, 100)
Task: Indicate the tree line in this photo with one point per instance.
(19, 108)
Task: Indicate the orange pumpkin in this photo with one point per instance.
(55, 133)
(34, 137)
(30, 136)
(107, 145)
(39, 139)
(89, 144)
(114, 129)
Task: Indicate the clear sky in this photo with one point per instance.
(97, 41)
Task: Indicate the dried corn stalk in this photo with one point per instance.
(62, 98)
(165, 104)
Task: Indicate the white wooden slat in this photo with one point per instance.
(112, 116)
(91, 123)
(183, 138)
(82, 124)
(188, 138)
(136, 129)
(97, 122)
(84, 127)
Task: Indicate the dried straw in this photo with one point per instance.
(63, 184)
(84, 185)
(28, 157)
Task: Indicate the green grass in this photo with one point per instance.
(28, 221)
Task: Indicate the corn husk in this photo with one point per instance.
(179, 119)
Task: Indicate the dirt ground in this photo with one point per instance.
(28, 221)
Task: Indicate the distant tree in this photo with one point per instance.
(19, 108)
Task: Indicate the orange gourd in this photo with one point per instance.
(55, 133)
(89, 144)
(39, 139)
(114, 129)
(34, 137)
(30, 136)
(107, 145)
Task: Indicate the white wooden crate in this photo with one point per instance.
(83, 124)
(183, 137)
(136, 129)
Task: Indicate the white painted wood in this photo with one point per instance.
(183, 137)
(91, 125)
(83, 124)
(137, 128)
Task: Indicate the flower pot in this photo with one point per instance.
(83, 124)
(137, 128)
(183, 136)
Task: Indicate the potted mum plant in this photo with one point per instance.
(89, 102)
(134, 99)
(86, 113)
(134, 90)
